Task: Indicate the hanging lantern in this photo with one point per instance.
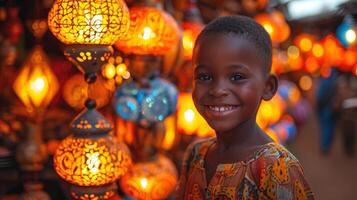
(36, 84)
(190, 33)
(88, 21)
(189, 121)
(150, 180)
(75, 92)
(274, 23)
(91, 159)
(152, 32)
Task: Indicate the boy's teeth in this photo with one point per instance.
(221, 108)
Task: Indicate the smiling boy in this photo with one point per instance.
(232, 61)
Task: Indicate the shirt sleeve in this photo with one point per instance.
(282, 178)
(185, 167)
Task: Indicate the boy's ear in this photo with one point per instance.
(271, 86)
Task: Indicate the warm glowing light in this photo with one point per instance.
(150, 180)
(311, 64)
(293, 52)
(144, 183)
(274, 23)
(350, 36)
(170, 132)
(269, 28)
(189, 115)
(121, 69)
(305, 44)
(88, 21)
(305, 82)
(270, 111)
(126, 75)
(36, 84)
(189, 121)
(190, 33)
(91, 162)
(318, 50)
(152, 32)
(109, 71)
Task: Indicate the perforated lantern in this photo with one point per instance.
(88, 21)
(91, 159)
(152, 32)
(149, 180)
(36, 83)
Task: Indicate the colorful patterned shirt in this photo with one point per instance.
(272, 173)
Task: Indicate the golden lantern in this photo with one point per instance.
(36, 83)
(90, 159)
(274, 23)
(150, 180)
(190, 33)
(189, 121)
(75, 92)
(88, 21)
(152, 32)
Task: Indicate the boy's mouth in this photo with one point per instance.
(221, 108)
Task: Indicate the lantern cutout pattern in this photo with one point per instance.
(152, 32)
(150, 180)
(88, 21)
(36, 83)
(91, 159)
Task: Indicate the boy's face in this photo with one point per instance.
(229, 81)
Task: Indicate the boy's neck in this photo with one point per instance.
(246, 134)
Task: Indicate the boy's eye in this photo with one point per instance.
(237, 77)
(204, 77)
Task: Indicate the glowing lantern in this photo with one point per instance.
(90, 159)
(36, 84)
(274, 23)
(317, 50)
(349, 60)
(75, 92)
(88, 21)
(152, 32)
(189, 120)
(150, 180)
(305, 42)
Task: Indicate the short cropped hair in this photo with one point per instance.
(246, 28)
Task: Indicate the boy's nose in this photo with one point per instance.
(217, 91)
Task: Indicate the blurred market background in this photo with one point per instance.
(82, 120)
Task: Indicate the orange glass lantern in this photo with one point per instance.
(189, 121)
(152, 32)
(150, 180)
(88, 21)
(36, 83)
(274, 23)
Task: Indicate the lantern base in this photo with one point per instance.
(88, 58)
(93, 192)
